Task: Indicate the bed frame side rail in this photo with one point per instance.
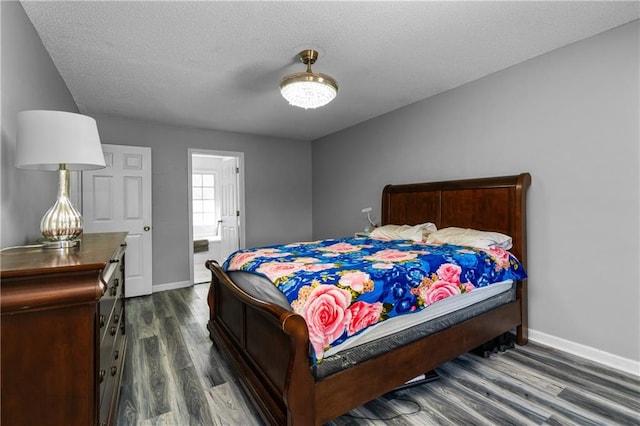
(349, 388)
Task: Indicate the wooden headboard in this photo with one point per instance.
(488, 204)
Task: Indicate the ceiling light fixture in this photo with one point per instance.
(308, 89)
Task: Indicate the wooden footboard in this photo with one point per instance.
(269, 345)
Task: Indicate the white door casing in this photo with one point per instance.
(118, 199)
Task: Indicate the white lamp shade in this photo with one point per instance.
(46, 139)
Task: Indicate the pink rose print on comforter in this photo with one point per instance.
(326, 314)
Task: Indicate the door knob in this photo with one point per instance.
(147, 228)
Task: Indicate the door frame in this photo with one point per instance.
(215, 153)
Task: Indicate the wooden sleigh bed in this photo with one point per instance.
(269, 345)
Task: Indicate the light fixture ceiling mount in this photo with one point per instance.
(308, 89)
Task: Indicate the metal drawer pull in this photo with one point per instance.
(113, 291)
(114, 260)
(101, 374)
(102, 319)
(116, 355)
(113, 331)
(116, 318)
(114, 370)
(116, 282)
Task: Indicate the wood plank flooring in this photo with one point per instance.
(174, 375)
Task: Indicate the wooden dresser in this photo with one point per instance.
(63, 337)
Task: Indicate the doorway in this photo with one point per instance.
(216, 208)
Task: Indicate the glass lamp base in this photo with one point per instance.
(60, 244)
(61, 225)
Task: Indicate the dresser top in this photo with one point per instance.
(94, 252)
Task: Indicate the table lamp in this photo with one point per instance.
(62, 141)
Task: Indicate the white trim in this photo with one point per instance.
(614, 361)
(170, 286)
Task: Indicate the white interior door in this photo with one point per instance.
(118, 199)
(230, 237)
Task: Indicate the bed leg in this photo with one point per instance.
(522, 335)
(501, 343)
(522, 331)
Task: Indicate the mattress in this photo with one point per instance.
(436, 310)
(395, 331)
(363, 351)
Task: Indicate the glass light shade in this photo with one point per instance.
(308, 90)
(62, 141)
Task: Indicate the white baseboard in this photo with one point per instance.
(610, 360)
(171, 286)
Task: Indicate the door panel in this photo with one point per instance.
(118, 198)
(229, 228)
(102, 201)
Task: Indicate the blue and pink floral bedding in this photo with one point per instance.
(342, 286)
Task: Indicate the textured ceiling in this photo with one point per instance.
(218, 64)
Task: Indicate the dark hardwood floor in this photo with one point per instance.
(174, 375)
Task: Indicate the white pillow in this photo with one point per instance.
(470, 237)
(403, 232)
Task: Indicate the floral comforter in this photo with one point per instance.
(342, 286)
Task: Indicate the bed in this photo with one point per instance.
(269, 345)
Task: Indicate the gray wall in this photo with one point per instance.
(29, 81)
(277, 186)
(570, 118)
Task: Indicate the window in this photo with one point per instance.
(204, 199)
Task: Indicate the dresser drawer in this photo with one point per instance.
(112, 279)
(112, 339)
(110, 387)
(110, 316)
(109, 346)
